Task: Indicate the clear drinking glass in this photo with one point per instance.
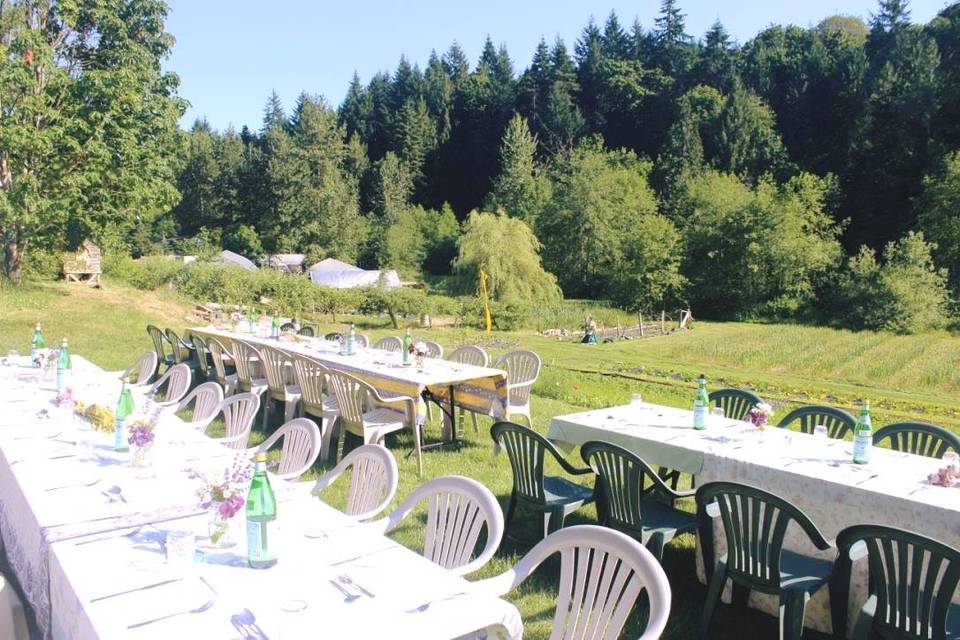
(293, 625)
(820, 431)
(716, 415)
(180, 547)
(636, 399)
(951, 457)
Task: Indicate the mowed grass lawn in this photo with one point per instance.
(903, 376)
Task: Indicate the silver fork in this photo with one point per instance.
(206, 605)
(345, 579)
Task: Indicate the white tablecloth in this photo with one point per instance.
(63, 524)
(815, 474)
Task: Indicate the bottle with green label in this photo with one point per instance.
(863, 436)
(405, 351)
(36, 344)
(64, 366)
(701, 405)
(261, 516)
(124, 410)
(275, 327)
(352, 340)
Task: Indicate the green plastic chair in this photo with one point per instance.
(736, 403)
(755, 523)
(306, 331)
(158, 345)
(905, 602)
(202, 353)
(919, 438)
(555, 496)
(181, 350)
(624, 480)
(837, 421)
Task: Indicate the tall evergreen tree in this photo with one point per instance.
(520, 190)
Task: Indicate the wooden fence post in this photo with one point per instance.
(640, 318)
(663, 322)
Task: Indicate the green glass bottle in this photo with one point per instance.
(701, 404)
(261, 515)
(405, 351)
(125, 408)
(863, 436)
(36, 344)
(352, 340)
(64, 366)
(275, 327)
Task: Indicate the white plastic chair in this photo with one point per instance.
(602, 573)
(373, 482)
(459, 508)
(144, 369)
(300, 449)
(238, 410)
(13, 621)
(390, 343)
(523, 369)
(217, 353)
(175, 382)
(246, 358)
(434, 349)
(311, 377)
(278, 368)
(477, 357)
(206, 399)
(362, 341)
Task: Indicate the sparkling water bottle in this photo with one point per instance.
(261, 516)
(64, 366)
(701, 405)
(863, 436)
(124, 410)
(36, 345)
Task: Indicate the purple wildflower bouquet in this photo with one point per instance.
(760, 414)
(142, 428)
(225, 492)
(65, 399)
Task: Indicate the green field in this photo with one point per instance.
(903, 376)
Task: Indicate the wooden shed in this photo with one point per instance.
(84, 265)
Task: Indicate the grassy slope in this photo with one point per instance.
(905, 376)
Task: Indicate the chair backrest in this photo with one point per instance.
(206, 399)
(217, 351)
(275, 364)
(200, 350)
(238, 410)
(390, 343)
(287, 326)
(311, 377)
(300, 448)
(624, 481)
(306, 331)
(352, 396)
(526, 450)
(602, 574)
(914, 579)
(470, 354)
(362, 341)
(175, 382)
(837, 421)
(143, 369)
(755, 523)
(373, 481)
(918, 438)
(458, 510)
(244, 355)
(736, 403)
(180, 351)
(434, 349)
(158, 340)
(523, 369)
(334, 336)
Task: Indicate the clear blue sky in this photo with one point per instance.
(230, 54)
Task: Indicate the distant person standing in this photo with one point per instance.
(589, 331)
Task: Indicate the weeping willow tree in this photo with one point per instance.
(508, 252)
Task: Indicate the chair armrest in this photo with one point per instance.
(497, 586)
(410, 405)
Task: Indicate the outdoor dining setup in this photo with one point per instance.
(135, 504)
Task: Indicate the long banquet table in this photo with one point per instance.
(816, 474)
(84, 534)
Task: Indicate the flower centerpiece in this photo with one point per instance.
(67, 403)
(760, 414)
(419, 351)
(47, 363)
(948, 476)
(223, 496)
(142, 434)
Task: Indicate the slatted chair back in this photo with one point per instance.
(307, 331)
(434, 349)
(141, 371)
(603, 573)
(389, 343)
(244, 355)
(333, 337)
(362, 341)
(206, 399)
(217, 352)
(181, 352)
(175, 383)
(239, 411)
(736, 403)
(459, 509)
(158, 343)
(311, 377)
(625, 480)
(470, 354)
(200, 351)
(300, 448)
(523, 369)
(288, 327)
(526, 450)
(912, 577)
(276, 364)
(352, 396)
(755, 523)
(837, 421)
(373, 481)
(918, 438)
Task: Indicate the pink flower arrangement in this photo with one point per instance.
(948, 476)
(760, 414)
(419, 350)
(225, 492)
(65, 399)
